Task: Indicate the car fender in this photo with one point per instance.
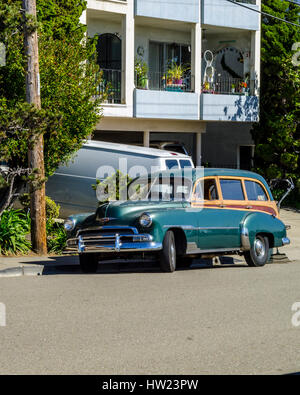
(177, 218)
(261, 223)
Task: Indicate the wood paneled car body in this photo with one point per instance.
(221, 212)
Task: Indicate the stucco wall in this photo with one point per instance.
(143, 35)
(181, 10)
(166, 105)
(224, 13)
(229, 108)
(101, 26)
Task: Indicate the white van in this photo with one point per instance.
(71, 185)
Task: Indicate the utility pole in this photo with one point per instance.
(36, 143)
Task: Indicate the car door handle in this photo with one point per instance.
(222, 205)
(249, 207)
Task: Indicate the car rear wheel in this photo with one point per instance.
(168, 253)
(259, 253)
(88, 263)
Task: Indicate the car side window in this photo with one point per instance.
(172, 164)
(255, 192)
(232, 189)
(209, 188)
(185, 163)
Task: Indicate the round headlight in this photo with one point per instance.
(69, 224)
(145, 220)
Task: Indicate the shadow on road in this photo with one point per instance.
(70, 265)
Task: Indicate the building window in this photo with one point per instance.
(169, 67)
(109, 51)
(109, 58)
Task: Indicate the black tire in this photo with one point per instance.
(168, 253)
(88, 263)
(184, 262)
(259, 254)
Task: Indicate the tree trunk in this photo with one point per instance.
(36, 143)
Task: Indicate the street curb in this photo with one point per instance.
(21, 271)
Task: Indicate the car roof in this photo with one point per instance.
(135, 149)
(207, 172)
(214, 172)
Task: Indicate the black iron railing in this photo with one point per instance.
(162, 82)
(110, 86)
(227, 86)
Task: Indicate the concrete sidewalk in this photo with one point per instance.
(292, 217)
(35, 266)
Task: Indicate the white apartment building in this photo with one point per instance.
(180, 70)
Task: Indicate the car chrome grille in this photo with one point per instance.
(105, 232)
(109, 238)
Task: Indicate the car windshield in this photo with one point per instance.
(160, 189)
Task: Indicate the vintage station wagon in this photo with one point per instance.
(220, 212)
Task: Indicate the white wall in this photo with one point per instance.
(143, 35)
(241, 41)
(101, 26)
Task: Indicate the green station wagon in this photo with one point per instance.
(221, 212)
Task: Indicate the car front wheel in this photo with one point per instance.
(259, 253)
(168, 253)
(88, 263)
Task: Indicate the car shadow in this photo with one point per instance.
(70, 265)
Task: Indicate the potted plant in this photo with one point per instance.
(232, 88)
(243, 86)
(176, 73)
(141, 73)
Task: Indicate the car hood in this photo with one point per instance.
(119, 210)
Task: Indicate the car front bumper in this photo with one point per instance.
(108, 239)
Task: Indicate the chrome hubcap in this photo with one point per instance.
(259, 248)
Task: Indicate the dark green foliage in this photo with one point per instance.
(14, 230)
(277, 135)
(69, 77)
(59, 18)
(56, 238)
(52, 209)
(56, 234)
(70, 106)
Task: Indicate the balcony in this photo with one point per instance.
(178, 10)
(158, 96)
(226, 14)
(223, 104)
(159, 81)
(229, 86)
(110, 86)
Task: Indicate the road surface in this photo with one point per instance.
(221, 320)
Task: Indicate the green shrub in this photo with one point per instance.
(52, 209)
(56, 238)
(14, 227)
(56, 235)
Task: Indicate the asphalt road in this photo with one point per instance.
(222, 320)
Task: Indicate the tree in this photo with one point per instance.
(277, 135)
(69, 78)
